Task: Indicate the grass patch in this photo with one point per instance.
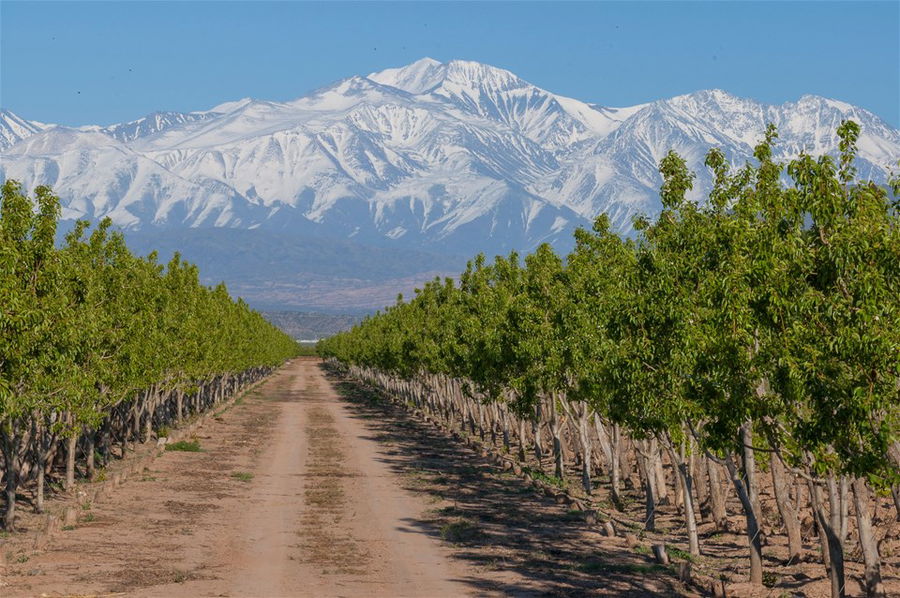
(537, 474)
(243, 476)
(163, 432)
(88, 518)
(679, 554)
(642, 549)
(68, 528)
(460, 531)
(188, 446)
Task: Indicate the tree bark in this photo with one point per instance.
(71, 448)
(536, 431)
(586, 448)
(684, 476)
(557, 441)
(867, 542)
(10, 444)
(716, 496)
(829, 527)
(701, 484)
(522, 450)
(787, 509)
(753, 532)
(615, 473)
(648, 480)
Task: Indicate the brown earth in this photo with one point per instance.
(312, 487)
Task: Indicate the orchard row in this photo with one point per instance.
(99, 347)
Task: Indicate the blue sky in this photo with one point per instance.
(83, 63)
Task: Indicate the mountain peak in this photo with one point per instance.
(415, 78)
(483, 75)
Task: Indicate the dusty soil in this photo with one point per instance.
(313, 487)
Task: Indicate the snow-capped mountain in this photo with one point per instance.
(453, 157)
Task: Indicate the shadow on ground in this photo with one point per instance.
(497, 523)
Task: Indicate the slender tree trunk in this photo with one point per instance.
(786, 508)
(615, 473)
(179, 406)
(71, 448)
(538, 444)
(829, 527)
(586, 448)
(701, 483)
(10, 443)
(749, 460)
(504, 416)
(605, 443)
(867, 543)
(753, 532)
(89, 448)
(557, 441)
(716, 496)
(648, 479)
(522, 440)
(662, 486)
(684, 477)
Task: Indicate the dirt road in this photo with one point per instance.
(288, 497)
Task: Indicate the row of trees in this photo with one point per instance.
(99, 346)
(764, 322)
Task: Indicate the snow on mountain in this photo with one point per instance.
(14, 128)
(457, 156)
(153, 123)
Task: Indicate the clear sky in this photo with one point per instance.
(97, 63)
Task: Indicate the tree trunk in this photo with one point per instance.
(701, 484)
(71, 448)
(787, 509)
(615, 473)
(89, 449)
(605, 444)
(749, 460)
(10, 441)
(829, 527)
(662, 487)
(867, 543)
(753, 531)
(716, 496)
(586, 448)
(504, 415)
(557, 441)
(179, 406)
(648, 479)
(536, 431)
(684, 476)
(522, 451)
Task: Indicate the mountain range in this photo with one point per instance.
(437, 159)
